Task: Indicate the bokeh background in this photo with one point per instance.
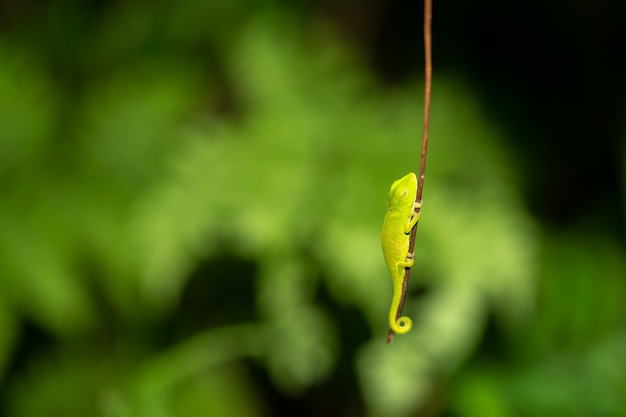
(191, 197)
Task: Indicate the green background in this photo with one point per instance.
(191, 197)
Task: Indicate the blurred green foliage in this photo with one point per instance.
(192, 197)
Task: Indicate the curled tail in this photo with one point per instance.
(400, 325)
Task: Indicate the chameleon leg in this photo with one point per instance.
(406, 264)
(414, 219)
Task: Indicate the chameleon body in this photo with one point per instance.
(399, 221)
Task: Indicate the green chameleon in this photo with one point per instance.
(399, 221)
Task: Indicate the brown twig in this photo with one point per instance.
(428, 11)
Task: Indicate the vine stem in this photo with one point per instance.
(428, 12)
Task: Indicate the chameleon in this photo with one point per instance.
(399, 221)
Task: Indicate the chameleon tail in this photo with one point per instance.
(400, 325)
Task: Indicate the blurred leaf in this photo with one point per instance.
(479, 394)
(27, 111)
(9, 332)
(582, 295)
(571, 356)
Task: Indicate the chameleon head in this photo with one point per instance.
(403, 189)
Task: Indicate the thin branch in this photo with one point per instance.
(428, 12)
